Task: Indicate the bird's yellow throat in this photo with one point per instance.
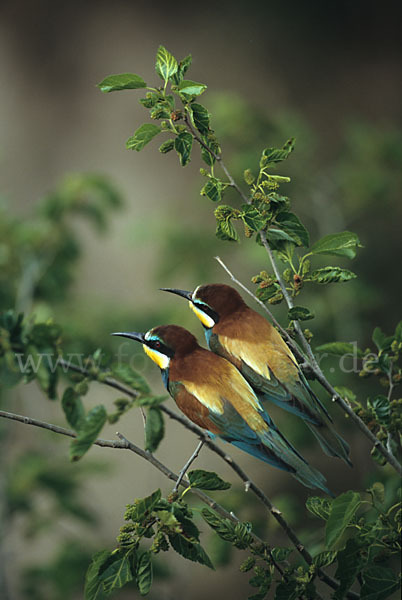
(203, 317)
(160, 359)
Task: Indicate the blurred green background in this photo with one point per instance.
(328, 73)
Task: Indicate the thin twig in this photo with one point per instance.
(188, 464)
(233, 465)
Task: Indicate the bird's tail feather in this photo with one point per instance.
(331, 442)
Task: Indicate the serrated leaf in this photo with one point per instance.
(168, 519)
(277, 235)
(183, 144)
(117, 574)
(320, 507)
(142, 136)
(131, 377)
(207, 480)
(378, 583)
(276, 155)
(143, 507)
(154, 429)
(252, 217)
(190, 88)
(200, 116)
(338, 244)
(342, 512)
(93, 584)
(212, 189)
(144, 574)
(324, 559)
(182, 69)
(331, 275)
(123, 81)
(190, 550)
(225, 231)
(88, 432)
(281, 554)
(382, 341)
(294, 227)
(73, 408)
(382, 409)
(166, 146)
(300, 313)
(340, 348)
(212, 143)
(350, 562)
(166, 65)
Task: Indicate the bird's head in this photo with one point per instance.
(162, 343)
(211, 302)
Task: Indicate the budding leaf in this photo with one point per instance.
(142, 136)
(144, 573)
(166, 65)
(124, 81)
(225, 231)
(73, 408)
(331, 275)
(338, 244)
(294, 227)
(271, 156)
(300, 313)
(183, 144)
(252, 217)
(166, 146)
(207, 480)
(182, 69)
(191, 88)
(342, 512)
(320, 507)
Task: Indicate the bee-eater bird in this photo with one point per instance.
(242, 336)
(214, 395)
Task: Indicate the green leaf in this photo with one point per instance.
(190, 88)
(324, 559)
(252, 217)
(338, 244)
(320, 507)
(142, 136)
(166, 65)
(277, 235)
(183, 144)
(133, 379)
(190, 550)
(286, 590)
(225, 231)
(166, 146)
(144, 573)
(93, 584)
(382, 341)
(378, 492)
(272, 156)
(340, 348)
(117, 574)
(382, 409)
(73, 408)
(294, 227)
(200, 116)
(331, 275)
(345, 392)
(342, 512)
(154, 429)
(207, 480)
(182, 69)
(212, 189)
(143, 507)
(281, 554)
(211, 142)
(350, 562)
(378, 583)
(124, 81)
(300, 313)
(88, 432)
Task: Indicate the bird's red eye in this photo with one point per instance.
(157, 344)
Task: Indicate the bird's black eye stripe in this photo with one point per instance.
(160, 347)
(207, 310)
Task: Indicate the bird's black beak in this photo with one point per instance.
(132, 335)
(182, 293)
